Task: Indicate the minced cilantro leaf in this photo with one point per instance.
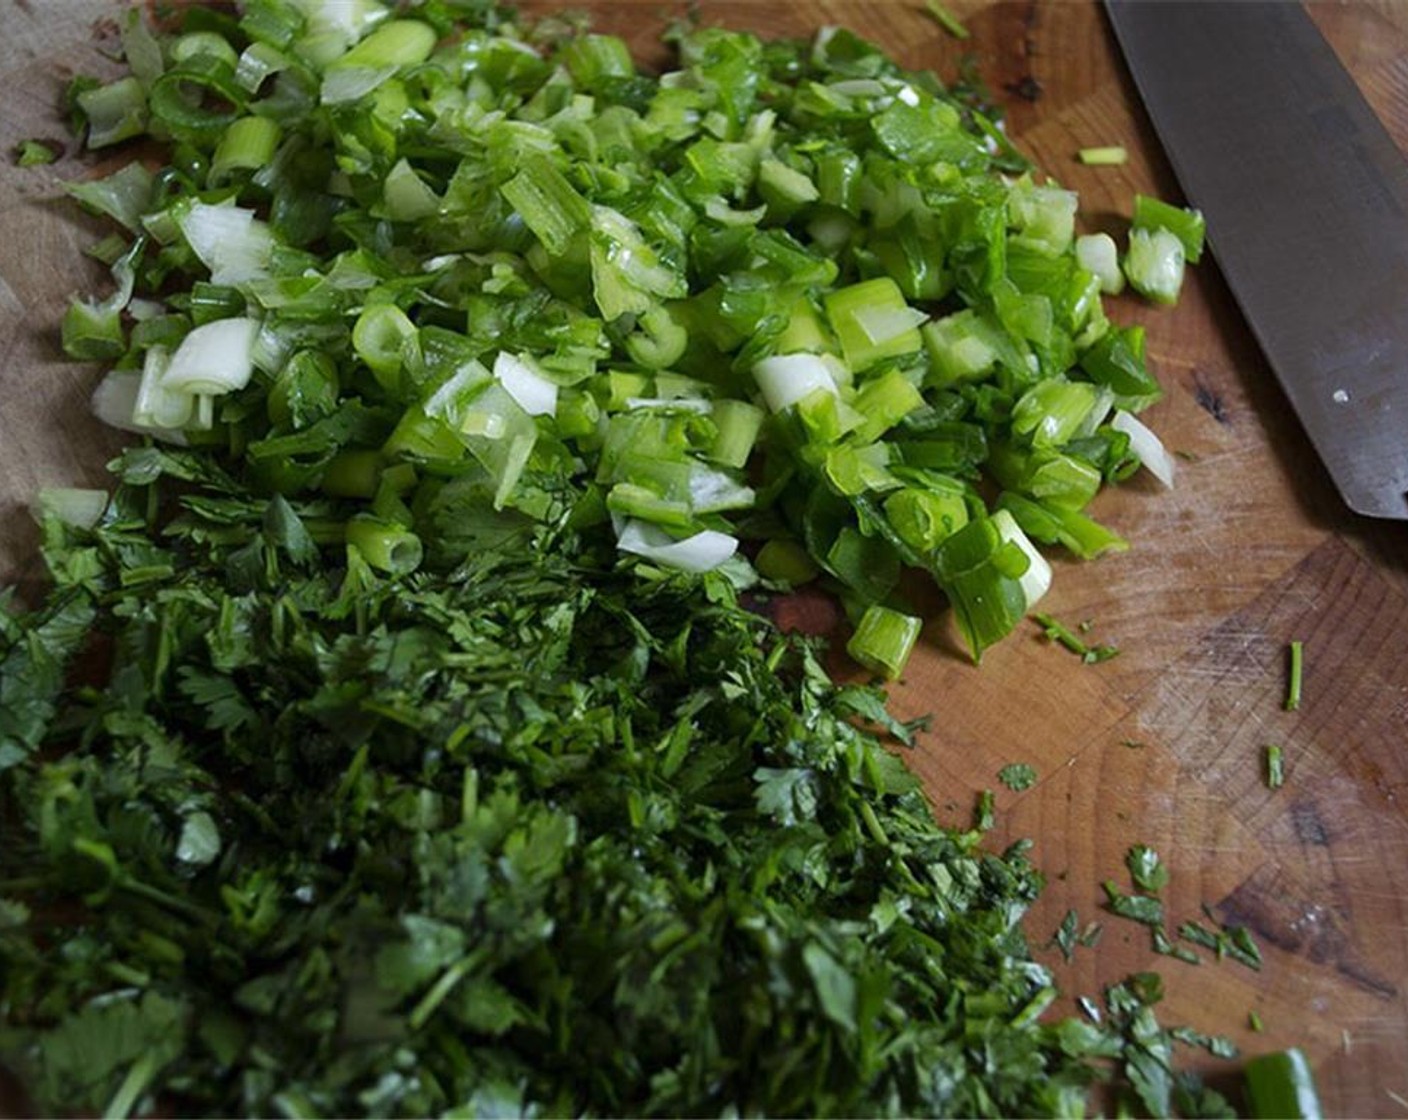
(1148, 872)
(1017, 776)
(1137, 907)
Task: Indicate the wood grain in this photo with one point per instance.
(1249, 551)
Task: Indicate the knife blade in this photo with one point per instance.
(1306, 201)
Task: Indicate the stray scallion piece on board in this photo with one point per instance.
(1275, 767)
(1295, 676)
(1111, 155)
(35, 153)
(1056, 631)
(394, 738)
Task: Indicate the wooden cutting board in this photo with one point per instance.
(1162, 745)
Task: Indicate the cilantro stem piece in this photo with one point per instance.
(1295, 676)
(1112, 155)
(946, 19)
(1059, 632)
(138, 1077)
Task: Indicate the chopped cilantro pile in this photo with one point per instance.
(396, 738)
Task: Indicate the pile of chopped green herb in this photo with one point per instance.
(394, 740)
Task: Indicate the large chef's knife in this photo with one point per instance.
(1306, 200)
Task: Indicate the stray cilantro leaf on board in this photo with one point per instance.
(1017, 776)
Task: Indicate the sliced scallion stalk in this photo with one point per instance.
(81, 508)
(1144, 443)
(199, 99)
(93, 331)
(396, 43)
(548, 204)
(384, 337)
(114, 402)
(386, 546)
(1187, 225)
(884, 640)
(228, 239)
(594, 60)
(787, 562)
(872, 322)
(156, 406)
(115, 112)
(787, 378)
(1097, 254)
(1154, 264)
(518, 374)
(248, 145)
(1112, 155)
(738, 424)
(214, 359)
(1275, 767)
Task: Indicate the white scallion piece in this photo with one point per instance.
(157, 406)
(881, 324)
(535, 394)
(115, 400)
(350, 83)
(1155, 264)
(675, 404)
(1036, 580)
(1098, 254)
(712, 491)
(228, 240)
(1144, 443)
(81, 508)
(213, 359)
(702, 552)
(786, 378)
